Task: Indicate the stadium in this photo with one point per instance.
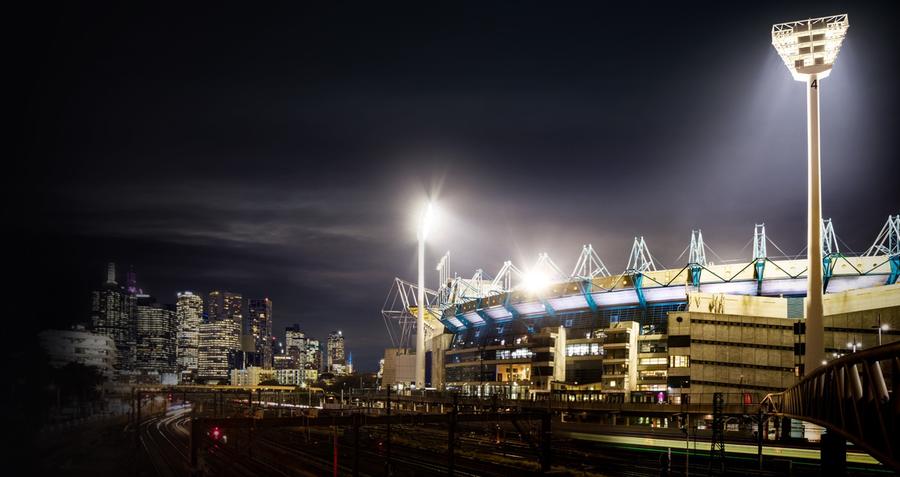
(646, 334)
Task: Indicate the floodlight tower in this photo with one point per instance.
(808, 49)
(420, 299)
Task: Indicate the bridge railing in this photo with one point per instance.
(854, 396)
(569, 400)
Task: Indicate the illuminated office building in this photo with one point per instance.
(188, 316)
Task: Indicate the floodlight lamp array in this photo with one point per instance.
(810, 47)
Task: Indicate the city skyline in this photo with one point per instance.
(192, 336)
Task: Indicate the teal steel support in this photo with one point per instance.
(638, 279)
(549, 309)
(895, 270)
(459, 317)
(760, 271)
(448, 325)
(586, 287)
(828, 263)
(484, 316)
(695, 274)
(512, 311)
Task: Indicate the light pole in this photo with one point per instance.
(809, 48)
(881, 327)
(420, 299)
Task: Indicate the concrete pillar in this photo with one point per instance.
(834, 454)
(785, 429)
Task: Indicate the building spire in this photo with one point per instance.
(131, 282)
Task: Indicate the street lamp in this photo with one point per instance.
(424, 225)
(881, 327)
(808, 49)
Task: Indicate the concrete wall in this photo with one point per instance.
(439, 346)
(773, 307)
(559, 356)
(399, 367)
(741, 352)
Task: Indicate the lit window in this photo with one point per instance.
(584, 349)
(648, 361)
(679, 361)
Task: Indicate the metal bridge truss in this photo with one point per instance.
(856, 396)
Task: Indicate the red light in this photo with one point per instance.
(216, 433)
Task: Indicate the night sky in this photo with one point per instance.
(285, 151)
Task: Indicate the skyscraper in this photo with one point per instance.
(313, 358)
(219, 346)
(188, 315)
(258, 324)
(112, 315)
(224, 305)
(336, 363)
(155, 332)
(295, 345)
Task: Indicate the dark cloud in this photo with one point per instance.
(282, 153)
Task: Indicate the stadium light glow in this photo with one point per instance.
(535, 281)
(809, 49)
(427, 221)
